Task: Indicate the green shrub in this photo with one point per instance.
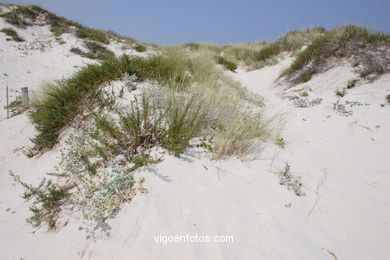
(13, 34)
(388, 99)
(226, 64)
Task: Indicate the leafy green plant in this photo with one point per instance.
(292, 182)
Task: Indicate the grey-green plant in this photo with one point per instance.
(306, 102)
(292, 182)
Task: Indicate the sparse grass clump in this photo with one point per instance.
(192, 46)
(280, 142)
(66, 99)
(290, 42)
(13, 34)
(15, 107)
(388, 99)
(340, 93)
(184, 119)
(352, 83)
(140, 48)
(92, 34)
(260, 54)
(96, 51)
(306, 77)
(304, 94)
(226, 63)
(21, 16)
(237, 136)
(342, 42)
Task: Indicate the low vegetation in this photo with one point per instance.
(306, 102)
(292, 182)
(340, 93)
(23, 16)
(140, 48)
(349, 42)
(96, 51)
(342, 108)
(68, 98)
(188, 101)
(352, 83)
(13, 34)
(259, 54)
(92, 34)
(280, 142)
(226, 63)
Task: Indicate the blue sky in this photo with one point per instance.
(220, 21)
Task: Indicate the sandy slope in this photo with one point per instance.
(342, 161)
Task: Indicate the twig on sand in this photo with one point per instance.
(331, 253)
(320, 183)
(363, 126)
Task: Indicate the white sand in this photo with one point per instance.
(343, 162)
